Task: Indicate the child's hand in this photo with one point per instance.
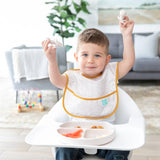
(126, 27)
(50, 51)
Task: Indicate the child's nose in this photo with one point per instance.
(91, 59)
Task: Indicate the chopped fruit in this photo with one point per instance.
(76, 134)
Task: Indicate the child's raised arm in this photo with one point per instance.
(56, 78)
(128, 53)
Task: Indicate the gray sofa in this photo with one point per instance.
(144, 68)
(41, 84)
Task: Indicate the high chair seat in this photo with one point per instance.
(129, 126)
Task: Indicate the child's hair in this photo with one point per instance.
(95, 36)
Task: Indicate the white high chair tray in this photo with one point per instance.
(86, 133)
(45, 134)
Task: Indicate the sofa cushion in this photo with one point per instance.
(147, 65)
(115, 45)
(146, 46)
(116, 59)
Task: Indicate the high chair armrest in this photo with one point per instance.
(137, 120)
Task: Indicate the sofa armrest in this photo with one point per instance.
(42, 84)
(159, 46)
(70, 65)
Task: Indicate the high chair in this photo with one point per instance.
(129, 126)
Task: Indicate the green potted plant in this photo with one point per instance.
(65, 19)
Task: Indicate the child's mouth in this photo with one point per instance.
(90, 67)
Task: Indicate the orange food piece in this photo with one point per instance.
(97, 127)
(76, 134)
(94, 127)
(100, 127)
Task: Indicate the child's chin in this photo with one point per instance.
(90, 75)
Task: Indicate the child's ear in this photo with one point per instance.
(76, 56)
(108, 58)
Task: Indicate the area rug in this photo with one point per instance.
(147, 97)
(9, 116)
(145, 94)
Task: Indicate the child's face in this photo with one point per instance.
(92, 59)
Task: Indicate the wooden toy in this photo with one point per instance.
(30, 100)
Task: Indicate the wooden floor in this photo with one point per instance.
(13, 147)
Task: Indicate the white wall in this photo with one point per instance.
(22, 22)
(25, 22)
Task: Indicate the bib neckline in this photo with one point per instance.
(91, 77)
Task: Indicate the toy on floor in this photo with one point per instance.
(30, 100)
(122, 15)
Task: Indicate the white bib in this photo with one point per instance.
(91, 98)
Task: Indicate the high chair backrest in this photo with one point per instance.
(127, 108)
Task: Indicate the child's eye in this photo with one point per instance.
(97, 55)
(85, 54)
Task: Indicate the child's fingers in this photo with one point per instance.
(128, 22)
(52, 49)
(131, 22)
(126, 18)
(45, 44)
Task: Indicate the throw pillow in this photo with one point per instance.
(146, 46)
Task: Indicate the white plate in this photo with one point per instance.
(104, 132)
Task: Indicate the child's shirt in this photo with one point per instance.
(91, 98)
